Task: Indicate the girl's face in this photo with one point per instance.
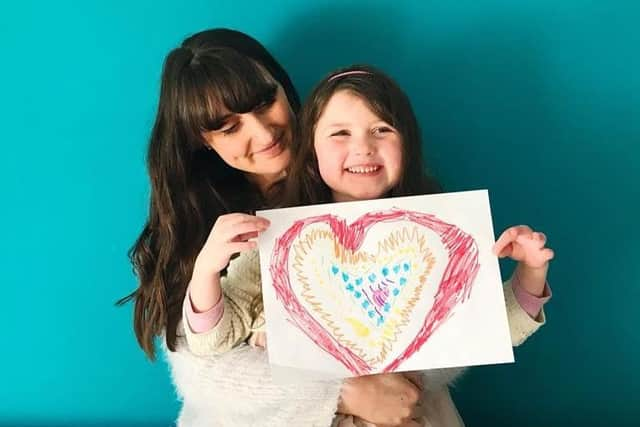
(257, 142)
(359, 154)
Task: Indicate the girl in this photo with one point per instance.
(359, 140)
(220, 141)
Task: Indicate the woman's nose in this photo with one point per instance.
(260, 131)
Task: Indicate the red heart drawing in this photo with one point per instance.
(454, 287)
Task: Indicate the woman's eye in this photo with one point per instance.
(264, 106)
(340, 133)
(230, 129)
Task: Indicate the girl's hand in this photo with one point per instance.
(383, 399)
(520, 243)
(229, 235)
(526, 246)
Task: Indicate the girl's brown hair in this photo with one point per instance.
(304, 185)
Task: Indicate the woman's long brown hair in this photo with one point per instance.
(210, 73)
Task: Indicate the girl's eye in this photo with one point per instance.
(230, 129)
(342, 132)
(381, 129)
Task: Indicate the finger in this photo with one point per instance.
(410, 423)
(417, 413)
(540, 239)
(222, 230)
(505, 252)
(532, 240)
(230, 220)
(237, 247)
(502, 242)
(419, 409)
(260, 339)
(245, 236)
(415, 378)
(548, 253)
(233, 217)
(523, 229)
(251, 218)
(231, 233)
(261, 218)
(538, 258)
(234, 234)
(509, 236)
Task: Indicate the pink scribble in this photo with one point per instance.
(454, 288)
(380, 296)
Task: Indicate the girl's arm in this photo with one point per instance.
(229, 322)
(521, 324)
(527, 291)
(217, 312)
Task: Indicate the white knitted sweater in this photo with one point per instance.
(236, 388)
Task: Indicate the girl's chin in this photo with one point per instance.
(357, 196)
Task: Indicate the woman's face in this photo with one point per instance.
(257, 142)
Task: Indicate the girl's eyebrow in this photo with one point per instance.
(345, 124)
(335, 125)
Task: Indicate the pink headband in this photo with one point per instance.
(348, 73)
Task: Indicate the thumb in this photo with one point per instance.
(506, 251)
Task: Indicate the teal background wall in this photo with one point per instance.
(539, 102)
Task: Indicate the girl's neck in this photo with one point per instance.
(337, 198)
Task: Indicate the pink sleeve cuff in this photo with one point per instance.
(530, 303)
(205, 321)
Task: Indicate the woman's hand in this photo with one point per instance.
(383, 399)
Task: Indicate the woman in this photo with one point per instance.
(219, 143)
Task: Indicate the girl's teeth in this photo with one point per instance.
(367, 169)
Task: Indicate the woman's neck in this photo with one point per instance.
(265, 181)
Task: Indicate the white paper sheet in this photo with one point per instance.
(384, 285)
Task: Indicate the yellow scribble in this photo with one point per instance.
(374, 344)
(358, 327)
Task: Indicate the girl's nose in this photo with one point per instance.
(363, 146)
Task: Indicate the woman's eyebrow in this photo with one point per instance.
(220, 122)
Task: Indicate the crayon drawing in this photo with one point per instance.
(371, 292)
